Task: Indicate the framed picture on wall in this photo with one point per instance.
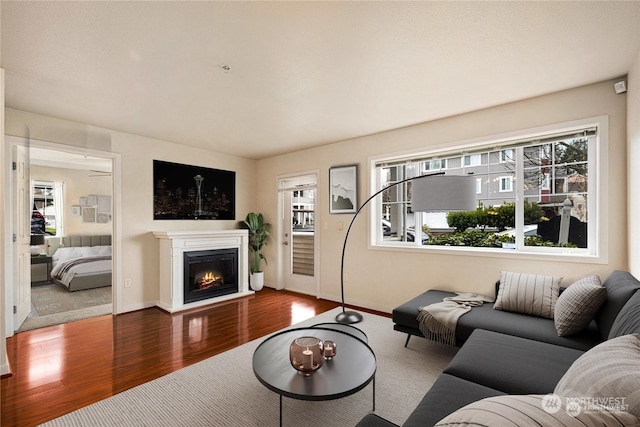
(76, 210)
(343, 189)
(89, 214)
(193, 192)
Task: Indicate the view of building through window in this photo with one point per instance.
(551, 173)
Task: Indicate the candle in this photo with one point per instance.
(307, 359)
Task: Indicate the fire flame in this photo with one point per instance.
(210, 280)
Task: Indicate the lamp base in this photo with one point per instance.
(348, 317)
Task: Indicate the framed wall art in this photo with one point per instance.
(343, 189)
(89, 214)
(193, 192)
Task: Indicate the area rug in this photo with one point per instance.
(53, 305)
(36, 322)
(52, 299)
(223, 391)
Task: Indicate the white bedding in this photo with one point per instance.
(69, 263)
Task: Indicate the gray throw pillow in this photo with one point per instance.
(578, 304)
(528, 294)
(610, 370)
(534, 410)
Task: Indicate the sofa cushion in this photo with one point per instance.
(522, 325)
(485, 317)
(511, 364)
(620, 285)
(578, 304)
(528, 293)
(610, 370)
(538, 410)
(628, 320)
(447, 395)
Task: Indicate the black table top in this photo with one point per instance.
(353, 367)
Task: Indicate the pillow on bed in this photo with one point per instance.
(63, 254)
(96, 251)
(528, 294)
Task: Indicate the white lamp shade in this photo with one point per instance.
(443, 193)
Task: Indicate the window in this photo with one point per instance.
(473, 160)
(435, 165)
(506, 183)
(507, 155)
(520, 197)
(46, 214)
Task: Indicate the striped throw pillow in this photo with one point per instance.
(578, 305)
(535, 410)
(528, 294)
(610, 370)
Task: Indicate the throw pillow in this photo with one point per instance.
(528, 294)
(578, 304)
(610, 370)
(532, 409)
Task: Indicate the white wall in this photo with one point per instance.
(382, 279)
(139, 248)
(77, 183)
(633, 160)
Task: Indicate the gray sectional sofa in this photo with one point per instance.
(505, 353)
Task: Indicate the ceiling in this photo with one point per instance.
(302, 74)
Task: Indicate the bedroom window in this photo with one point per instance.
(46, 213)
(520, 195)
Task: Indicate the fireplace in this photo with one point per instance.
(176, 249)
(210, 274)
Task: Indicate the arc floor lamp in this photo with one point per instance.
(429, 193)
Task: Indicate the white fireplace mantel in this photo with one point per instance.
(173, 245)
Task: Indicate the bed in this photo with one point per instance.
(82, 262)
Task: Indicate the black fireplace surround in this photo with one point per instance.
(210, 274)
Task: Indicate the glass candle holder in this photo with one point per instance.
(306, 355)
(329, 349)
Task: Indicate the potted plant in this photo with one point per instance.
(258, 233)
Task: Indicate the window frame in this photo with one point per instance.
(57, 187)
(596, 251)
(504, 179)
(471, 157)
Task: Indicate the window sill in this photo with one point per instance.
(572, 257)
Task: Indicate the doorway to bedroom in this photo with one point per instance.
(69, 192)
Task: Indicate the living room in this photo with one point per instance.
(369, 282)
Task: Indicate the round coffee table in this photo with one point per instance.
(353, 367)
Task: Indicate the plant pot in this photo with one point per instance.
(257, 280)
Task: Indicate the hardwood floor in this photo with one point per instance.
(62, 368)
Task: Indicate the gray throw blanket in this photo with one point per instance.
(438, 321)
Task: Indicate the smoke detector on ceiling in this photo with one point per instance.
(620, 87)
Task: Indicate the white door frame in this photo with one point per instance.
(9, 262)
(283, 249)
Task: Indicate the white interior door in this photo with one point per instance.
(22, 233)
(299, 238)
